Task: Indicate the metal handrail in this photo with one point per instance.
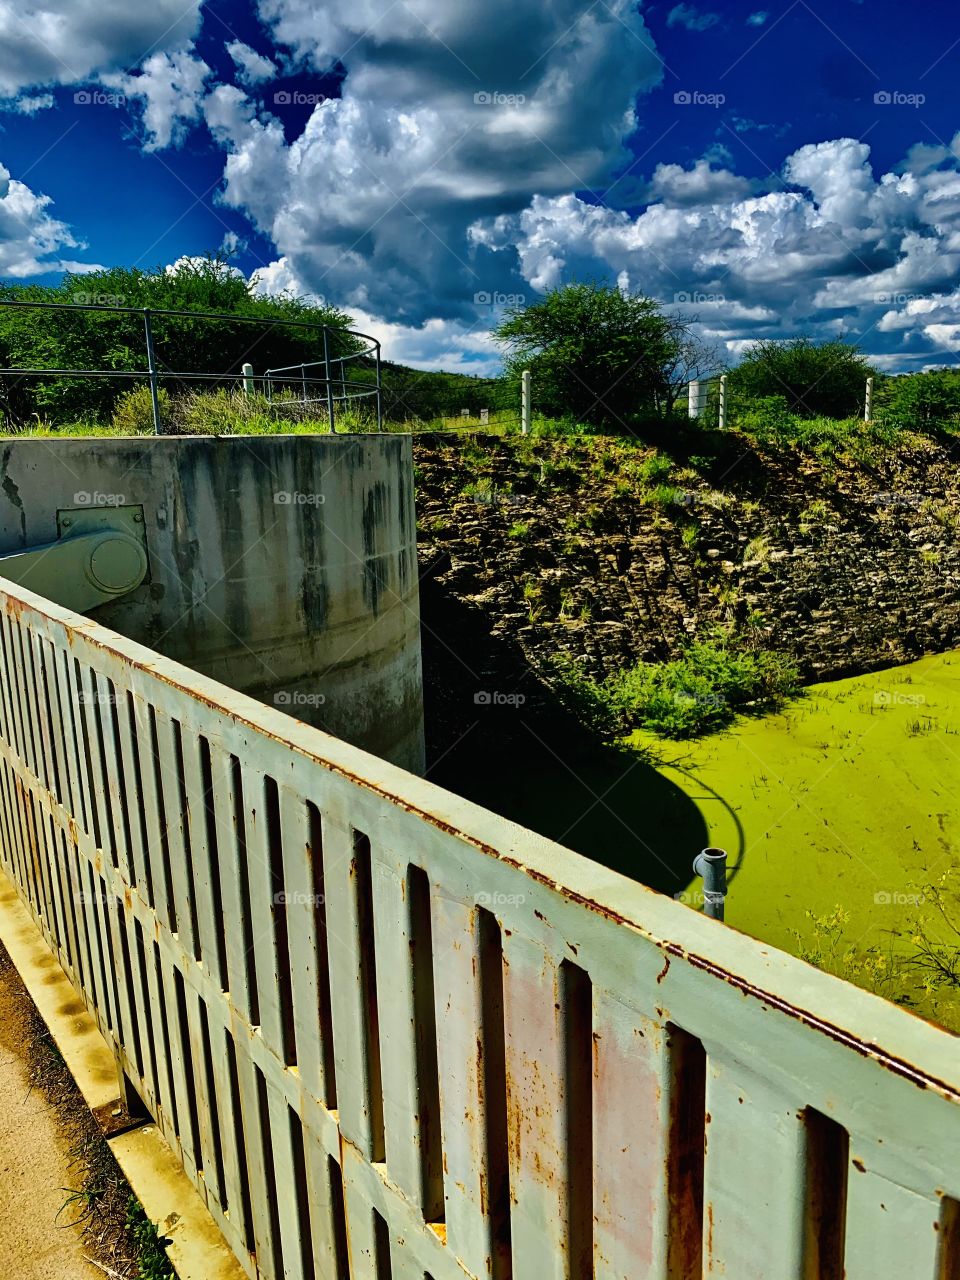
(154, 374)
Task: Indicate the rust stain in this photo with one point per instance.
(859, 1165)
(664, 971)
(889, 1061)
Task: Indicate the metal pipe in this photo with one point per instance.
(379, 391)
(152, 368)
(711, 864)
(326, 370)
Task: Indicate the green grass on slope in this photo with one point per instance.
(838, 814)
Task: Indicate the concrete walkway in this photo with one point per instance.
(34, 1160)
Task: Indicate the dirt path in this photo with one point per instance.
(34, 1158)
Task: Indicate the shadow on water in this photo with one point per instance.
(517, 751)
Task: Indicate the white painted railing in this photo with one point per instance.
(390, 1034)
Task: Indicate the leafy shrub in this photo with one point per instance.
(920, 400)
(764, 417)
(814, 378)
(133, 412)
(700, 692)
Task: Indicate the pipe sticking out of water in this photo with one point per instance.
(711, 864)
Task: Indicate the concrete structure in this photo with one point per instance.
(284, 567)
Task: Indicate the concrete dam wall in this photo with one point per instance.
(284, 567)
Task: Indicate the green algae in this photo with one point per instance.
(836, 813)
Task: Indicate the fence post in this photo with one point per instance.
(247, 371)
(723, 402)
(326, 372)
(868, 401)
(379, 391)
(152, 368)
(525, 402)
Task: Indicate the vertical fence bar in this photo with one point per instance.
(326, 374)
(379, 390)
(152, 367)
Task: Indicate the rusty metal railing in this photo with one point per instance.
(388, 1033)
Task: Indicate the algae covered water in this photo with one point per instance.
(839, 815)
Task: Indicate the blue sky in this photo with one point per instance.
(772, 170)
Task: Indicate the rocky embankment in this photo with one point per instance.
(612, 551)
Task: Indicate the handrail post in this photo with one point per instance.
(379, 391)
(152, 368)
(326, 371)
(711, 864)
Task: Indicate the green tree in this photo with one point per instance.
(921, 399)
(598, 354)
(31, 338)
(817, 379)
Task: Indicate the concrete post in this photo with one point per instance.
(868, 401)
(525, 403)
(722, 422)
(247, 371)
(693, 400)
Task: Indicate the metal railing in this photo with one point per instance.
(390, 1034)
(337, 390)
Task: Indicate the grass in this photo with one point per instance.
(840, 816)
(698, 693)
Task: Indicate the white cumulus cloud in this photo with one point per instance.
(171, 88)
(32, 241)
(75, 40)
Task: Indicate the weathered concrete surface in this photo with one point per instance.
(284, 566)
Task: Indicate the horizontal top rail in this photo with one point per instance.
(199, 315)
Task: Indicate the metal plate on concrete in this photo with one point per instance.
(73, 521)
